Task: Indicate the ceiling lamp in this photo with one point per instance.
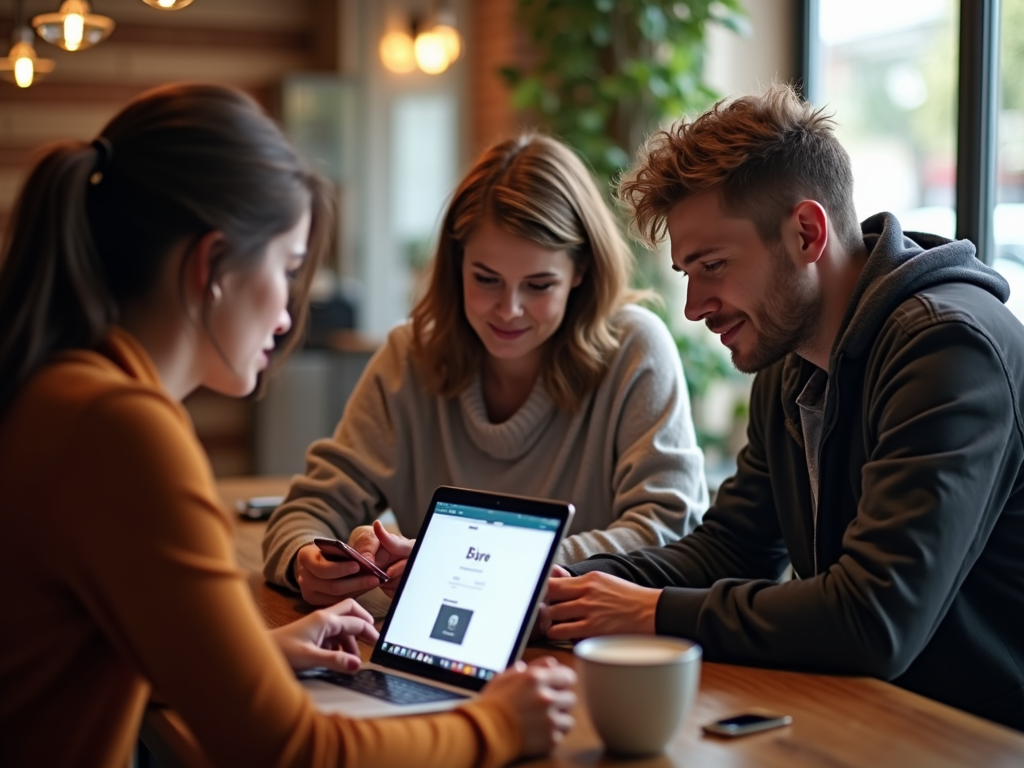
(73, 27)
(431, 52)
(168, 5)
(431, 47)
(396, 52)
(444, 26)
(21, 65)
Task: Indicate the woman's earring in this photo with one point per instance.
(215, 292)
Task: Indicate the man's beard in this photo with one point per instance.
(786, 318)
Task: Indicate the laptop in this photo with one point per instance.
(463, 611)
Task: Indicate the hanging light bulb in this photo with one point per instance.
(431, 52)
(22, 63)
(450, 38)
(73, 27)
(433, 48)
(168, 5)
(396, 52)
(445, 27)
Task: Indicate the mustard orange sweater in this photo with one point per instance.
(118, 575)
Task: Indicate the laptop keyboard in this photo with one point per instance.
(390, 688)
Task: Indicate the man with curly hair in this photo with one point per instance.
(886, 442)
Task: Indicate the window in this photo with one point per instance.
(888, 71)
(1008, 223)
(929, 96)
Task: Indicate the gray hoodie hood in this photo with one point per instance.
(899, 265)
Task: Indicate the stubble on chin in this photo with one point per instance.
(785, 321)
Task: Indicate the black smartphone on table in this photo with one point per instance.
(258, 507)
(747, 722)
(338, 550)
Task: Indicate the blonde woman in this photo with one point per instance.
(525, 368)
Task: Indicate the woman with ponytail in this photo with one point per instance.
(166, 255)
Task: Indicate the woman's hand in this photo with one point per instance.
(386, 550)
(379, 546)
(542, 698)
(327, 638)
(325, 582)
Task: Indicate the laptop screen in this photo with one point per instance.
(468, 595)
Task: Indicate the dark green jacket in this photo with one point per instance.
(913, 570)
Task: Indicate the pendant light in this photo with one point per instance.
(396, 52)
(432, 47)
(21, 64)
(168, 5)
(444, 27)
(74, 27)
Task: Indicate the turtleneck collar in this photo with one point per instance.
(512, 438)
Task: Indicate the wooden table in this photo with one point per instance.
(837, 721)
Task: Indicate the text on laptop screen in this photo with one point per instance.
(468, 593)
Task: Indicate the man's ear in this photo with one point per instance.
(201, 265)
(808, 230)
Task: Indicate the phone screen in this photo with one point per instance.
(339, 550)
(743, 720)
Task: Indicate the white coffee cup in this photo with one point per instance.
(638, 688)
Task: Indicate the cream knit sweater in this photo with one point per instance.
(628, 459)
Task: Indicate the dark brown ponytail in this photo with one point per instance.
(94, 223)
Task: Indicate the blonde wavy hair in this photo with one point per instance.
(536, 188)
(763, 153)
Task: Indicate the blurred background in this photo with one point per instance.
(392, 99)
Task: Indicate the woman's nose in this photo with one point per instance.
(510, 306)
(284, 323)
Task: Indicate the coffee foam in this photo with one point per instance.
(638, 653)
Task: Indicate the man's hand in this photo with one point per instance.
(327, 638)
(386, 550)
(597, 604)
(543, 621)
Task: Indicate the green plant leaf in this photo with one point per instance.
(653, 24)
(511, 75)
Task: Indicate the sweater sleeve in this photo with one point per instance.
(152, 562)
(343, 484)
(739, 536)
(658, 483)
(944, 427)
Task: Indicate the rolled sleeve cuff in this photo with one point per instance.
(678, 611)
(281, 569)
(604, 563)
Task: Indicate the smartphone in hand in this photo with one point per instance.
(339, 550)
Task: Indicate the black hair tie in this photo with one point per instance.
(104, 154)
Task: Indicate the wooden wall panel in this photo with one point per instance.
(494, 41)
(251, 44)
(35, 123)
(247, 43)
